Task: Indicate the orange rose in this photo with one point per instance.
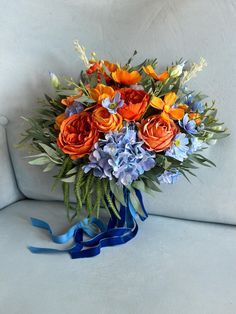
(78, 134)
(135, 103)
(157, 133)
(106, 121)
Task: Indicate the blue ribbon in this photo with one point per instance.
(117, 231)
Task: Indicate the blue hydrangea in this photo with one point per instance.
(179, 148)
(120, 155)
(169, 177)
(76, 107)
(188, 125)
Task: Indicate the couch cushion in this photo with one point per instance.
(9, 192)
(172, 266)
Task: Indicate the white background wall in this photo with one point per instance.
(37, 36)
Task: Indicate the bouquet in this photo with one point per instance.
(119, 131)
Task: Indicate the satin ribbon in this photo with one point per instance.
(117, 231)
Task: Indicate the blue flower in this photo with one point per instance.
(76, 107)
(197, 107)
(114, 104)
(188, 99)
(169, 177)
(120, 155)
(188, 125)
(196, 144)
(179, 148)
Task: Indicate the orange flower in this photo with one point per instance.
(168, 112)
(112, 67)
(69, 100)
(151, 72)
(157, 133)
(98, 66)
(78, 134)
(59, 120)
(195, 116)
(124, 77)
(101, 91)
(106, 121)
(94, 67)
(135, 103)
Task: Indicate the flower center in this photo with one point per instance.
(112, 105)
(167, 108)
(177, 143)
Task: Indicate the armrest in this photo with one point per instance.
(9, 192)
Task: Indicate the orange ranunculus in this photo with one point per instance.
(106, 121)
(195, 116)
(101, 91)
(124, 77)
(78, 134)
(157, 133)
(69, 100)
(135, 103)
(112, 67)
(151, 72)
(166, 106)
(59, 120)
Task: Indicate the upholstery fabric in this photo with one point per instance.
(8, 190)
(172, 266)
(40, 39)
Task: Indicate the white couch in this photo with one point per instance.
(183, 258)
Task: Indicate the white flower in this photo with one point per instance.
(54, 80)
(195, 68)
(177, 69)
(81, 50)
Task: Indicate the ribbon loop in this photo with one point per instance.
(89, 242)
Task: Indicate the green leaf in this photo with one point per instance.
(72, 171)
(151, 185)
(139, 185)
(37, 155)
(70, 179)
(111, 204)
(131, 58)
(67, 92)
(117, 191)
(217, 136)
(39, 161)
(93, 79)
(50, 151)
(135, 202)
(84, 99)
(49, 167)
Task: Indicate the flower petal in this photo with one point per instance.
(170, 98)
(176, 113)
(157, 102)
